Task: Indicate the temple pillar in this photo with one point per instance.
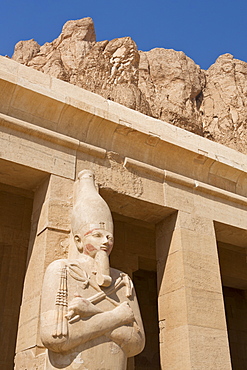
(48, 241)
(193, 332)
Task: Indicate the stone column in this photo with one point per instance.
(48, 241)
(193, 333)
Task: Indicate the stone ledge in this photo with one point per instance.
(49, 135)
(172, 177)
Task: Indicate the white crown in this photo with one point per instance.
(90, 211)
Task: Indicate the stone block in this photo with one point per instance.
(42, 106)
(205, 308)
(55, 214)
(178, 197)
(32, 358)
(78, 123)
(34, 153)
(28, 333)
(8, 91)
(9, 66)
(173, 308)
(172, 274)
(209, 348)
(201, 271)
(30, 79)
(197, 242)
(174, 349)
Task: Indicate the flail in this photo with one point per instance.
(61, 325)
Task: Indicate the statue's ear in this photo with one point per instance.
(78, 242)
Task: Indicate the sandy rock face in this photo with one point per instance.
(111, 70)
(172, 83)
(224, 102)
(162, 83)
(61, 57)
(25, 51)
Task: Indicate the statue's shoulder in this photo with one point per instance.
(83, 260)
(53, 273)
(57, 264)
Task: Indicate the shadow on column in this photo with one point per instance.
(146, 289)
(15, 221)
(232, 251)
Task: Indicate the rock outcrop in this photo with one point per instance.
(172, 84)
(224, 105)
(162, 83)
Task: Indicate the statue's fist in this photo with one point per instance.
(126, 312)
(80, 307)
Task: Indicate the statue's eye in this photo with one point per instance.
(97, 235)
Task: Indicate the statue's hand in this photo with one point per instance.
(126, 312)
(80, 307)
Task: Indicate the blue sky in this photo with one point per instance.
(202, 29)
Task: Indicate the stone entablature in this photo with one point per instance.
(68, 116)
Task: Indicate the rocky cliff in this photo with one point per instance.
(162, 83)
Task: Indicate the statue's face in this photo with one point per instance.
(96, 240)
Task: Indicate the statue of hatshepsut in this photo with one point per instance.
(90, 318)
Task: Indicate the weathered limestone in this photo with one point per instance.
(224, 103)
(162, 83)
(172, 84)
(162, 183)
(61, 57)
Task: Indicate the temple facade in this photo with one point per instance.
(180, 223)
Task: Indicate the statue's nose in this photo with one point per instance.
(106, 240)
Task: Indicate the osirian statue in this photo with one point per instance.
(90, 319)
